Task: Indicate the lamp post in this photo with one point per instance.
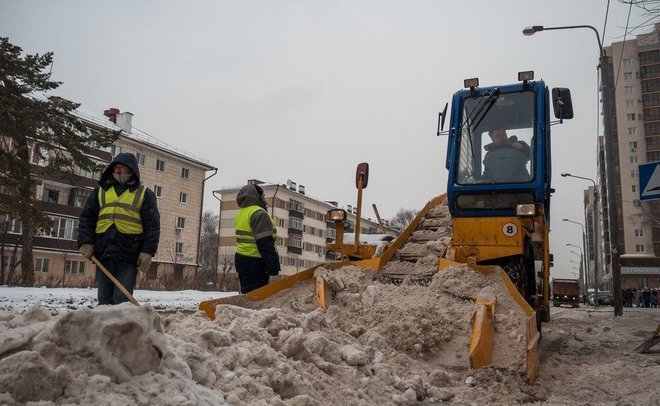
(586, 291)
(583, 279)
(596, 223)
(583, 272)
(606, 91)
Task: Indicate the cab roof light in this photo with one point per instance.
(524, 76)
(336, 215)
(471, 83)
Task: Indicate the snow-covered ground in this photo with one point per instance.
(377, 344)
(57, 299)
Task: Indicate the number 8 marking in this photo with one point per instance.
(510, 229)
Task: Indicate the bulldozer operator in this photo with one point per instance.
(506, 158)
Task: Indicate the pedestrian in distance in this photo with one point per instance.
(120, 226)
(256, 255)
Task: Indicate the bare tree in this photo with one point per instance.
(226, 265)
(402, 218)
(208, 245)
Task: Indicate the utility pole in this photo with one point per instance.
(611, 181)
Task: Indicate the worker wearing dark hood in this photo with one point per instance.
(120, 226)
(256, 256)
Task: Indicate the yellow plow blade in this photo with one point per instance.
(484, 318)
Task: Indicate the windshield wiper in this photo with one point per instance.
(487, 105)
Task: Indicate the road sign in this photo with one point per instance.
(649, 181)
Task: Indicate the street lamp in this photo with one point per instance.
(583, 278)
(596, 222)
(582, 257)
(607, 88)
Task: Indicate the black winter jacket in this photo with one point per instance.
(112, 243)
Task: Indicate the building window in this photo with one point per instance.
(160, 165)
(632, 130)
(634, 173)
(51, 195)
(281, 223)
(41, 264)
(636, 203)
(627, 62)
(630, 103)
(14, 226)
(639, 248)
(295, 223)
(179, 248)
(309, 230)
(628, 89)
(141, 158)
(633, 146)
(642, 282)
(627, 75)
(630, 117)
(639, 232)
(74, 266)
(115, 150)
(634, 159)
(62, 228)
(183, 197)
(180, 222)
(296, 205)
(296, 241)
(185, 173)
(634, 188)
(158, 191)
(282, 205)
(78, 197)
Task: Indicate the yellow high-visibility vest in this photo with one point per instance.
(246, 244)
(122, 211)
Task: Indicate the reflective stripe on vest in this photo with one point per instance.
(122, 211)
(246, 244)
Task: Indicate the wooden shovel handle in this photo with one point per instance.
(115, 281)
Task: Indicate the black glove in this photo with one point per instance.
(273, 272)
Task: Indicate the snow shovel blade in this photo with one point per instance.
(650, 342)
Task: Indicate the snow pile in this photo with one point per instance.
(377, 343)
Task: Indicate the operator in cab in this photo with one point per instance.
(506, 158)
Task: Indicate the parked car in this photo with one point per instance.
(604, 298)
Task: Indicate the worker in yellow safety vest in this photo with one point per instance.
(120, 226)
(256, 256)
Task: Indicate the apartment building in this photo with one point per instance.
(302, 229)
(177, 178)
(635, 64)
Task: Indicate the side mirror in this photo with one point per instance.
(441, 119)
(562, 103)
(362, 172)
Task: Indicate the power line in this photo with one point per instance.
(623, 46)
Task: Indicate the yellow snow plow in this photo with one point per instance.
(487, 239)
(484, 319)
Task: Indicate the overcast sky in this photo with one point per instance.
(307, 89)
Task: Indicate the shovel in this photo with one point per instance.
(115, 281)
(650, 342)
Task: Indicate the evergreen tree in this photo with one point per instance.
(36, 128)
